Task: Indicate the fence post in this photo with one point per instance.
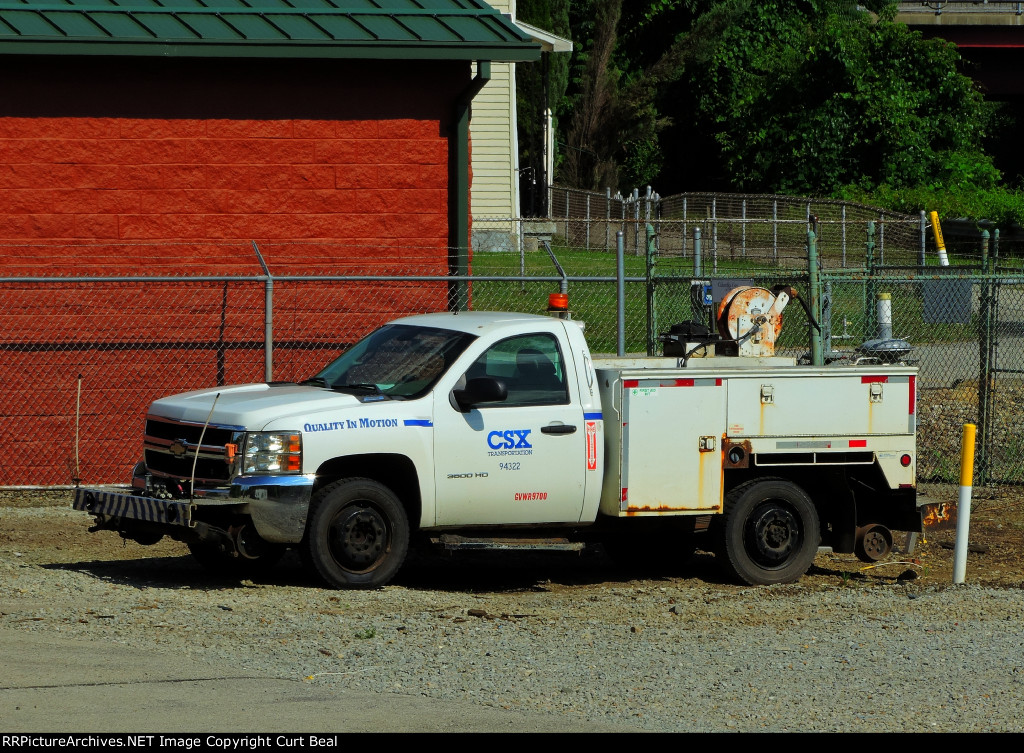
(636, 221)
(989, 430)
(696, 253)
(869, 283)
(622, 205)
(814, 272)
(268, 329)
(607, 218)
(221, 345)
(588, 223)
(775, 231)
(659, 224)
(698, 311)
(652, 315)
(844, 236)
(714, 234)
(881, 238)
(986, 346)
(924, 237)
(567, 241)
(647, 206)
(683, 252)
(743, 230)
(620, 291)
(268, 316)
(826, 321)
(522, 258)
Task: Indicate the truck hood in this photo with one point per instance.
(253, 406)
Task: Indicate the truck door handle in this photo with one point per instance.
(558, 429)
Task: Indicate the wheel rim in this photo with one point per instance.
(875, 545)
(249, 544)
(772, 534)
(358, 538)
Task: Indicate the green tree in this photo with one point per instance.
(810, 97)
(539, 88)
(816, 98)
(626, 54)
(590, 128)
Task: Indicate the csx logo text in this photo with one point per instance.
(512, 439)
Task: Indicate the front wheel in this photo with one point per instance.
(358, 534)
(770, 533)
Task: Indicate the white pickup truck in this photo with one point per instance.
(502, 430)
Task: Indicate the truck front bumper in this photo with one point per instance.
(277, 505)
(128, 506)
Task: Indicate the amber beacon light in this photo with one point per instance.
(558, 302)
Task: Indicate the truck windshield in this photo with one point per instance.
(397, 360)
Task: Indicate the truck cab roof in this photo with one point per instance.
(481, 322)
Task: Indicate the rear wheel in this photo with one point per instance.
(358, 534)
(770, 533)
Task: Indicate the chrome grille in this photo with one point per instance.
(170, 450)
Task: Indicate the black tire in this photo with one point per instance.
(770, 532)
(358, 534)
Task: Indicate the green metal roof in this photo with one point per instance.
(375, 29)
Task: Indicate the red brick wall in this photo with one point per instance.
(120, 167)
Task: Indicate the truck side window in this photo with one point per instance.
(531, 367)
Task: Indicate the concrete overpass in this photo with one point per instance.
(989, 34)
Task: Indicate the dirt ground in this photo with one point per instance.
(995, 555)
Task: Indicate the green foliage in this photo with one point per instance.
(1003, 206)
(535, 92)
(625, 54)
(805, 98)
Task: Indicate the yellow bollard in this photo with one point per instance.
(937, 231)
(963, 505)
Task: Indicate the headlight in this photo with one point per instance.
(272, 452)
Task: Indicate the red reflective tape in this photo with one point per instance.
(627, 383)
(858, 443)
(591, 432)
(871, 379)
(624, 494)
(718, 382)
(682, 382)
(913, 394)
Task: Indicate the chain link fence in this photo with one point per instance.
(763, 229)
(85, 353)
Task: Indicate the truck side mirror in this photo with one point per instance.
(480, 390)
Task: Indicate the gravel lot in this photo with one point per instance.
(884, 648)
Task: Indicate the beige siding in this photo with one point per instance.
(494, 191)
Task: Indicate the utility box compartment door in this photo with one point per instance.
(671, 449)
(836, 403)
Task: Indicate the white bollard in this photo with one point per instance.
(963, 504)
(884, 309)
